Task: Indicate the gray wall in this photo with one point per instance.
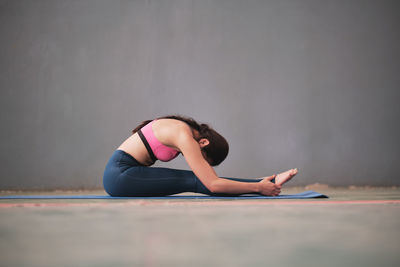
(307, 84)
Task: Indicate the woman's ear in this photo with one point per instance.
(203, 142)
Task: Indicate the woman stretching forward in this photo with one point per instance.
(127, 172)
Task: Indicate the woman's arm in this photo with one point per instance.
(202, 169)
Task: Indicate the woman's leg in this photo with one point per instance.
(156, 181)
(153, 181)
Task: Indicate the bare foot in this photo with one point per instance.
(284, 177)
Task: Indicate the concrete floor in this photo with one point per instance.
(205, 233)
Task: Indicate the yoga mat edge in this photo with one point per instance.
(303, 195)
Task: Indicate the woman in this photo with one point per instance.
(127, 173)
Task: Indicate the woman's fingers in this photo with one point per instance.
(269, 188)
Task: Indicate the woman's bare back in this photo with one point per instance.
(164, 130)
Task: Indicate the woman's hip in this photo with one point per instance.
(119, 162)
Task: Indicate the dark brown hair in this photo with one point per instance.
(217, 149)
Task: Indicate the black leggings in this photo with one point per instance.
(124, 176)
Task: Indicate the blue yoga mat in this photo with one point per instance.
(303, 195)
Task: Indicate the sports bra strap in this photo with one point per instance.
(146, 144)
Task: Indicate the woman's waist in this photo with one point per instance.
(122, 157)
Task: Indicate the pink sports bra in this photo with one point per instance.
(155, 148)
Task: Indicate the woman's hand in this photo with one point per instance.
(268, 188)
